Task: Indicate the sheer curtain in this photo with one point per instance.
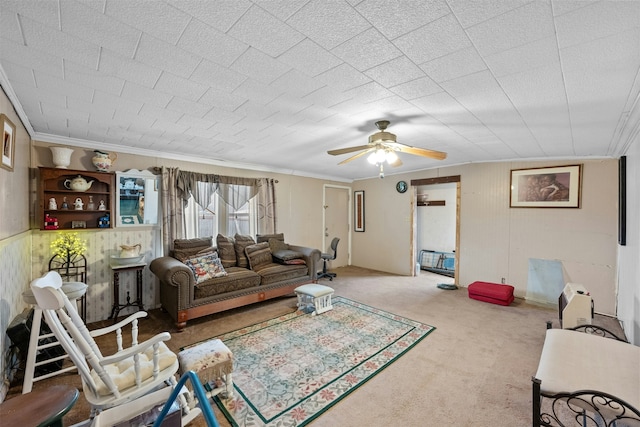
(178, 186)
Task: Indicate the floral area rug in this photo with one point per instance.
(289, 370)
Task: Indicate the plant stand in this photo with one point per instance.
(72, 268)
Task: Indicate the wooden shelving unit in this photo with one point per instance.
(51, 185)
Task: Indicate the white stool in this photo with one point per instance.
(74, 291)
(212, 361)
(314, 296)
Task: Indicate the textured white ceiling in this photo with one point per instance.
(277, 83)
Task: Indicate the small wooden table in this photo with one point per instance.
(117, 268)
(39, 408)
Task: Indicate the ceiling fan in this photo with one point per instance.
(382, 147)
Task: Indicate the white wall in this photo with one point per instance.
(629, 255)
(497, 241)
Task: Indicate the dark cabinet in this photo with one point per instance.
(74, 199)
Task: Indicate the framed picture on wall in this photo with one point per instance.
(358, 210)
(549, 187)
(8, 142)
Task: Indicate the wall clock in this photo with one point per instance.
(401, 186)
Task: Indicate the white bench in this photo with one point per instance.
(314, 296)
(586, 375)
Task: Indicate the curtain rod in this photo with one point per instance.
(158, 170)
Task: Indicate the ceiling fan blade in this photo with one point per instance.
(354, 157)
(348, 150)
(438, 155)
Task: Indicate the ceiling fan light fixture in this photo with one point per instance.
(391, 156)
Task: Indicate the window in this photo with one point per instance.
(220, 218)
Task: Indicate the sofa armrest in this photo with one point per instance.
(311, 256)
(174, 274)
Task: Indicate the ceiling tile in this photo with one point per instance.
(259, 66)
(328, 26)
(223, 100)
(112, 64)
(281, 9)
(88, 77)
(222, 14)
(264, 32)
(194, 109)
(178, 86)
(296, 83)
(397, 71)
(217, 76)
(517, 27)
(85, 22)
(434, 40)
(395, 18)
(159, 54)
(343, 77)
(10, 28)
(539, 53)
(309, 58)
(136, 92)
(470, 13)
(367, 50)
(206, 41)
(55, 42)
(417, 88)
(601, 20)
(43, 12)
(454, 65)
(155, 18)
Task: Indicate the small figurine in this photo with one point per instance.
(65, 205)
(103, 221)
(52, 204)
(102, 206)
(78, 204)
(50, 223)
(91, 206)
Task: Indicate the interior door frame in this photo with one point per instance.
(430, 181)
(325, 240)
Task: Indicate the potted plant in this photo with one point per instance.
(68, 256)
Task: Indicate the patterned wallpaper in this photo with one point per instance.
(15, 278)
(101, 245)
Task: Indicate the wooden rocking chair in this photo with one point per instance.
(115, 380)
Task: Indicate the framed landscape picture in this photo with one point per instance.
(549, 187)
(8, 142)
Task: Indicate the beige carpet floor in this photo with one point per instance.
(474, 369)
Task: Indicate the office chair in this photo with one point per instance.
(328, 257)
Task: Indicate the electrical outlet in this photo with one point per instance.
(503, 280)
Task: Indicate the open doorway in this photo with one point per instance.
(436, 226)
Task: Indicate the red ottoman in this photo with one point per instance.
(494, 293)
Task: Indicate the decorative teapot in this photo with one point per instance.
(78, 184)
(103, 161)
(130, 251)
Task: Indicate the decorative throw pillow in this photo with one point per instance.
(258, 255)
(277, 245)
(186, 248)
(226, 251)
(205, 267)
(286, 255)
(242, 242)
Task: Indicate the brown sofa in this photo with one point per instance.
(193, 285)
